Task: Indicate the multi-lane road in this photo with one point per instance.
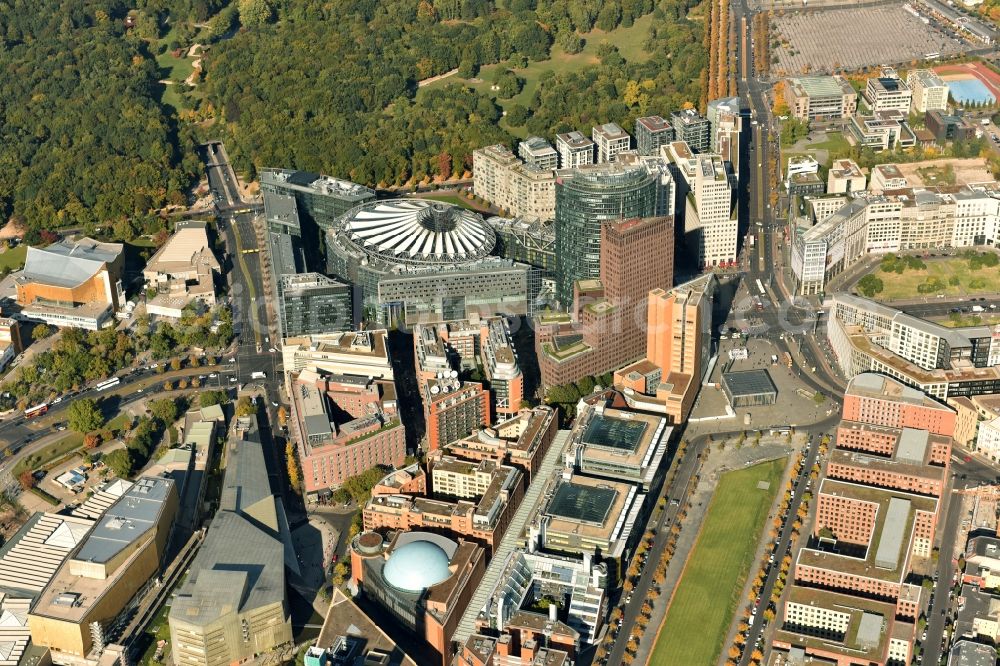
(662, 523)
(246, 289)
(258, 350)
(781, 548)
(20, 436)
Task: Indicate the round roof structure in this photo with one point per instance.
(417, 231)
(416, 566)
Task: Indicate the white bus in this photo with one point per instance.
(108, 383)
(258, 375)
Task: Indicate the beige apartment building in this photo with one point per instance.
(519, 189)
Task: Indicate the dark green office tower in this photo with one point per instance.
(585, 198)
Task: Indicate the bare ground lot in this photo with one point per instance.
(851, 38)
(966, 171)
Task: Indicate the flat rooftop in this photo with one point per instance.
(575, 140)
(71, 596)
(893, 525)
(134, 514)
(872, 385)
(870, 624)
(611, 431)
(610, 131)
(653, 123)
(749, 382)
(361, 343)
(589, 507)
(614, 439)
(345, 618)
(586, 504)
(822, 86)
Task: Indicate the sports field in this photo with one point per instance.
(716, 571)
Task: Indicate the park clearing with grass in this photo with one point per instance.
(12, 259)
(60, 448)
(716, 570)
(628, 41)
(824, 148)
(953, 275)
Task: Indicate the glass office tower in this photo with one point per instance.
(585, 198)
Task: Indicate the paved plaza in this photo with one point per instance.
(795, 404)
(853, 38)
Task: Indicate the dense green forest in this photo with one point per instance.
(88, 137)
(83, 138)
(336, 91)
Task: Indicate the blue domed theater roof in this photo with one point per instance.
(416, 566)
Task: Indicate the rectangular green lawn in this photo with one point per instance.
(14, 258)
(905, 285)
(706, 598)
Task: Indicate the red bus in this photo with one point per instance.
(37, 410)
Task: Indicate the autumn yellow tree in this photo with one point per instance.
(293, 468)
(780, 107)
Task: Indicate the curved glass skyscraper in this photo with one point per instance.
(585, 198)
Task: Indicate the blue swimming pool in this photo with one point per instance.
(967, 91)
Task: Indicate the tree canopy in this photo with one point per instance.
(336, 92)
(83, 138)
(85, 415)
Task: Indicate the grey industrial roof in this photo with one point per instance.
(281, 208)
(968, 653)
(312, 405)
(238, 568)
(893, 533)
(128, 519)
(748, 382)
(870, 629)
(283, 254)
(246, 481)
(68, 263)
(912, 446)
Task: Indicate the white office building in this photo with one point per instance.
(610, 140)
(888, 93)
(906, 219)
(710, 223)
(575, 150)
(930, 92)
